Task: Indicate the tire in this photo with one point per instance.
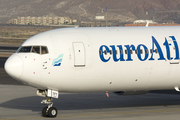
(44, 112)
(52, 112)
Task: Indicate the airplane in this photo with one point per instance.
(124, 60)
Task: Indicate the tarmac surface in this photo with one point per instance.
(6, 51)
(19, 102)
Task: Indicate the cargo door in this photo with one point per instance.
(79, 54)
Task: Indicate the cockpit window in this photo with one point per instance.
(33, 49)
(25, 49)
(44, 50)
(36, 49)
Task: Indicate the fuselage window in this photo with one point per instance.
(156, 50)
(146, 50)
(151, 50)
(141, 51)
(36, 49)
(44, 50)
(25, 49)
(136, 51)
(116, 52)
(105, 52)
(110, 52)
(131, 51)
(121, 52)
(100, 52)
(126, 52)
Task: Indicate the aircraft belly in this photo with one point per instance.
(146, 77)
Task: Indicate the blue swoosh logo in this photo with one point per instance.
(57, 61)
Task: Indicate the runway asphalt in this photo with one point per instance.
(6, 51)
(19, 102)
(8, 48)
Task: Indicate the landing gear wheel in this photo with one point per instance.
(45, 112)
(52, 112)
(48, 111)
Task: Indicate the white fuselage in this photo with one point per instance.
(95, 59)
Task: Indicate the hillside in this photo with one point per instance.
(118, 10)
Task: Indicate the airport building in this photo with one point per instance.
(41, 20)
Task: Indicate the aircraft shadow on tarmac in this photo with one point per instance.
(94, 101)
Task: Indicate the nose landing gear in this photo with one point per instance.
(49, 111)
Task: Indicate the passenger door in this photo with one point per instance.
(79, 54)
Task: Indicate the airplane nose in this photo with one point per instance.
(14, 66)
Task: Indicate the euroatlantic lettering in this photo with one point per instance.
(142, 57)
